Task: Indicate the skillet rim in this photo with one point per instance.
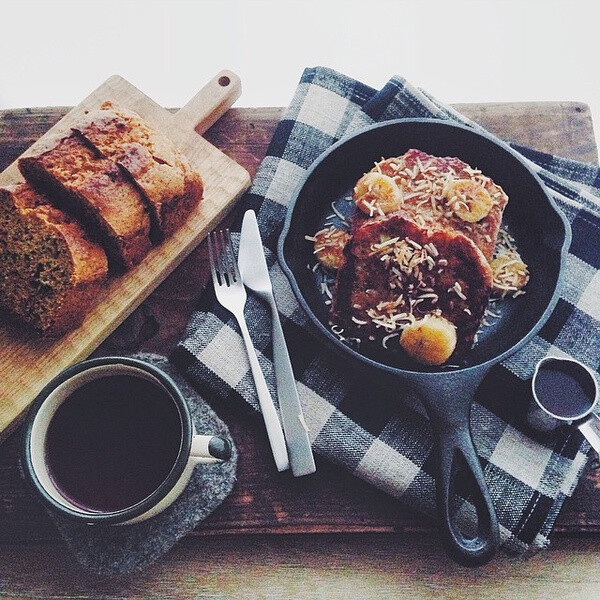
(338, 344)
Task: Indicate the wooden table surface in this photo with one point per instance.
(342, 536)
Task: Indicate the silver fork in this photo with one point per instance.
(231, 294)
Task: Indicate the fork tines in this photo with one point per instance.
(222, 258)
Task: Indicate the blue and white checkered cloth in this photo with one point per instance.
(360, 423)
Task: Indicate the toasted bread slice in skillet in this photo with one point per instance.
(445, 192)
(396, 272)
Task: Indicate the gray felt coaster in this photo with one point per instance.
(117, 550)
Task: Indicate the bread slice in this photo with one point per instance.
(50, 270)
(396, 272)
(98, 192)
(425, 180)
(162, 173)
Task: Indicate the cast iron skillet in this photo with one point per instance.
(543, 236)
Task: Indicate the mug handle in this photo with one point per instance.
(210, 449)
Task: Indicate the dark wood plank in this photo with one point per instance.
(562, 128)
(327, 567)
(263, 500)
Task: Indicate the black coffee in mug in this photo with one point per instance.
(112, 442)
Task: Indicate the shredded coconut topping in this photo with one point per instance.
(424, 179)
(425, 182)
(510, 274)
(405, 261)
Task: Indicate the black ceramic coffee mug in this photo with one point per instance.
(111, 440)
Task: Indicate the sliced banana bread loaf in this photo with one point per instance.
(50, 270)
(97, 191)
(163, 174)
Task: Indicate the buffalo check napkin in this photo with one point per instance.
(377, 431)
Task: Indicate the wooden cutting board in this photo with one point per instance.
(28, 362)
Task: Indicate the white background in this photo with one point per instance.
(56, 52)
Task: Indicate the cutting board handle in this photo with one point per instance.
(210, 103)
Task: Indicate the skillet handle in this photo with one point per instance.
(457, 459)
(459, 470)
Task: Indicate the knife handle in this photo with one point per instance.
(301, 457)
(272, 424)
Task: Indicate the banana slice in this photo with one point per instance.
(509, 273)
(377, 194)
(329, 247)
(430, 340)
(469, 200)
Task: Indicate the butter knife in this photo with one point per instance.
(255, 275)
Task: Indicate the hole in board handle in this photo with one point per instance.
(224, 81)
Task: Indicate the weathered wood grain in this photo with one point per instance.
(563, 128)
(328, 567)
(263, 500)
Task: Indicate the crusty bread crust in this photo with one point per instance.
(49, 290)
(163, 174)
(96, 190)
(112, 187)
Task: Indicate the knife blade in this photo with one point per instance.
(255, 275)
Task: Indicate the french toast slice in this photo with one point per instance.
(397, 272)
(444, 192)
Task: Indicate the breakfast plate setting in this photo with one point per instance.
(382, 294)
(371, 423)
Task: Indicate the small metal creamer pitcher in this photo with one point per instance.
(565, 392)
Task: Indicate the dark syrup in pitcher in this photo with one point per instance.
(112, 442)
(564, 388)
